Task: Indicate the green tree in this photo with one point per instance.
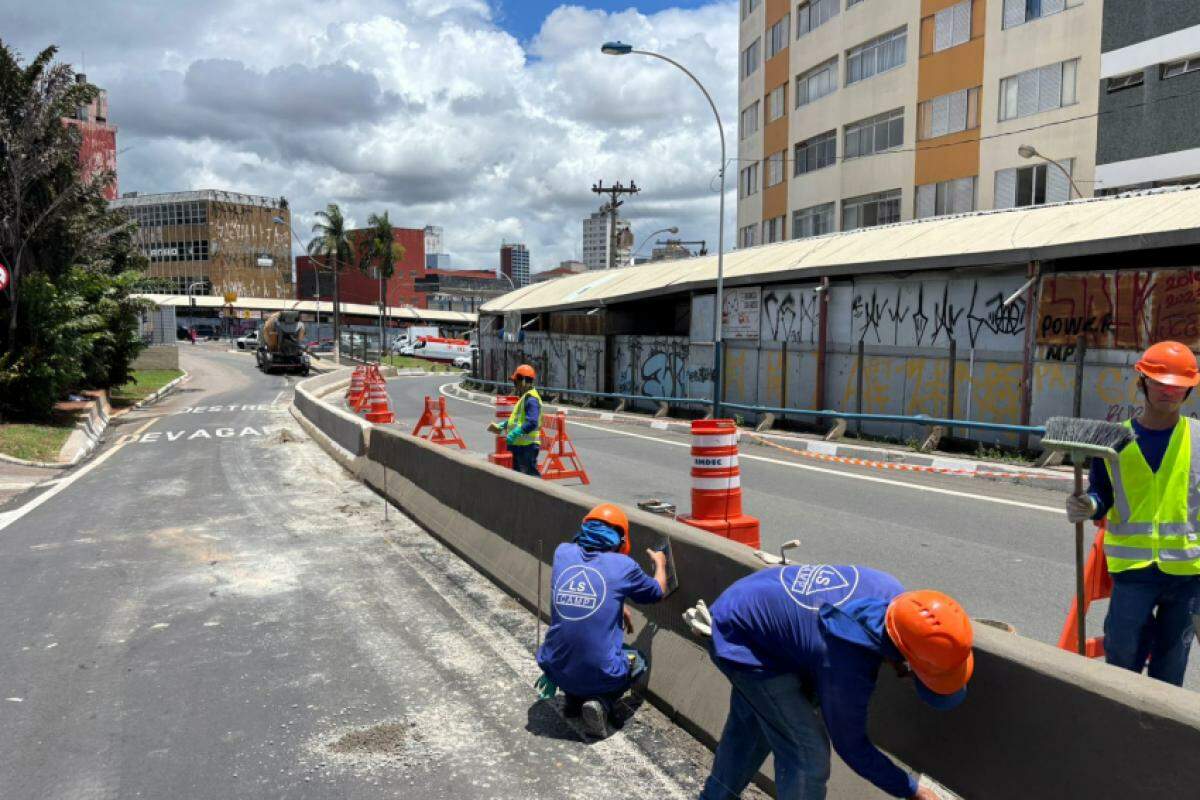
(331, 242)
(379, 250)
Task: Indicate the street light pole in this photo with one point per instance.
(671, 230)
(1028, 151)
(621, 49)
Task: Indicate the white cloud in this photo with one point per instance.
(425, 108)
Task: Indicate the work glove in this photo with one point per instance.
(698, 619)
(546, 688)
(1081, 507)
(511, 436)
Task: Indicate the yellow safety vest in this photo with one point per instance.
(1155, 517)
(517, 418)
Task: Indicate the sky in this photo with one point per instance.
(491, 118)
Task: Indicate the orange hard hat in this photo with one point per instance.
(934, 634)
(612, 515)
(524, 371)
(1171, 363)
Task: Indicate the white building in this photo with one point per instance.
(596, 241)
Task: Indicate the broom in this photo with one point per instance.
(1084, 438)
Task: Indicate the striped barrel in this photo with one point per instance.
(504, 407)
(717, 483)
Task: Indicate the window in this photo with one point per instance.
(750, 58)
(777, 37)
(749, 180)
(1119, 82)
(816, 153)
(875, 55)
(1176, 68)
(777, 102)
(817, 82)
(1033, 185)
(874, 134)
(871, 210)
(852, 3)
(812, 221)
(773, 230)
(748, 236)
(1018, 12)
(947, 197)
(775, 171)
(748, 7)
(950, 113)
(814, 14)
(947, 28)
(750, 119)
(1037, 90)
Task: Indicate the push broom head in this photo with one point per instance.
(1086, 437)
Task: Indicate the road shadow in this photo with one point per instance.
(545, 718)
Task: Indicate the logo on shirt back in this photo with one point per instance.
(815, 585)
(579, 592)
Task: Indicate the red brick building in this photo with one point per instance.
(97, 140)
(357, 286)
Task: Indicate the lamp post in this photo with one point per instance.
(1028, 151)
(192, 300)
(622, 49)
(316, 270)
(671, 230)
(503, 274)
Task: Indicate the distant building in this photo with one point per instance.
(214, 241)
(98, 140)
(514, 262)
(670, 250)
(564, 268)
(460, 289)
(596, 241)
(356, 286)
(435, 255)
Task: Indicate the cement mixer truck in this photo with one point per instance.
(281, 345)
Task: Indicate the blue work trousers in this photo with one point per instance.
(525, 458)
(770, 715)
(1150, 617)
(637, 668)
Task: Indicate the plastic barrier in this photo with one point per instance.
(380, 412)
(501, 456)
(556, 446)
(717, 483)
(1097, 585)
(356, 393)
(441, 428)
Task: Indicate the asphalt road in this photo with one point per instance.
(211, 608)
(1004, 550)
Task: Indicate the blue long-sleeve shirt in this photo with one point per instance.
(790, 620)
(533, 410)
(1153, 444)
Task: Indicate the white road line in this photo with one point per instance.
(275, 402)
(811, 468)
(9, 517)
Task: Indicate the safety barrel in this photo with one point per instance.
(717, 483)
(504, 407)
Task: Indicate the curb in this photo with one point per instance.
(154, 397)
(854, 454)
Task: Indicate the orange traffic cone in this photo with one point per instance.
(441, 428)
(717, 483)
(1097, 585)
(355, 392)
(556, 446)
(380, 411)
(500, 456)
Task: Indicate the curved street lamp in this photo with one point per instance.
(622, 49)
(1028, 151)
(671, 230)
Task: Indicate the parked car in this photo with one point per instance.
(465, 361)
(248, 342)
(320, 346)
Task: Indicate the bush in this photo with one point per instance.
(47, 361)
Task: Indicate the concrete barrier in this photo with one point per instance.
(344, 429)
(1038, 721)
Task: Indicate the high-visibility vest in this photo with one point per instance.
(1155, 516)
(517, 418)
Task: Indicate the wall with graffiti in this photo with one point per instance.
(561, 361)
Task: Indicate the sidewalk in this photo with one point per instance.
(17, 478)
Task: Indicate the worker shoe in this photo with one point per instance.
(595, 719)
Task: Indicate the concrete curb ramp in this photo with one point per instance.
(1038, 721)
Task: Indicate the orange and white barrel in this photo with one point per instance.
(717, 483)
(504, 407)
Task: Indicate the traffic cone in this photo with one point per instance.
(1097, 585)
(441, 428)
(717, 483)
(501, 456)
(557, 445)
(355, 392)
(380, 411)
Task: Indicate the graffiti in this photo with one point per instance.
(944, 316)
(663, 373)
(871, 313)
(897, 316)
(1060, 352)
(790, 315)
(896, 313)
(700, 375)
(1120, 310)
(998, 318)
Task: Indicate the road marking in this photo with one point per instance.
(808, 467)
(9, 517)
(278, 396)
(200, 433)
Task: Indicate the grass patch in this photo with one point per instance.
(34, 442)
(145, 382)
(411, 362)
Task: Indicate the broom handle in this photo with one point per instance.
(1080, 615)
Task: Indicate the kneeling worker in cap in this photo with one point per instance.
(584, 652)
(523, 428)
(802, 645)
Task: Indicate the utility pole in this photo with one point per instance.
(614, 191)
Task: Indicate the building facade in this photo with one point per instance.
(97, 140)
(460, 290)
(436, 256)
(514, 262)
(214, 242)
(1149, 95)
(856, 113)
(596, 241)
(314, 281)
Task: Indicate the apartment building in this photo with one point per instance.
(854, 113)
(514, 262)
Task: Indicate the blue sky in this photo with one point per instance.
(523, 18)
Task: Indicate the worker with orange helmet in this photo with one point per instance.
(1152, 537)
(802, 645)
(523, 428)
(584, 652)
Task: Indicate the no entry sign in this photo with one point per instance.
(3, 277)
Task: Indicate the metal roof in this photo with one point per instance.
(1153, 218)
(274, 304)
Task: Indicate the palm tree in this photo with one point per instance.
(331, 241)
(380, 251)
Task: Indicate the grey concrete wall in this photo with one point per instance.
(345, 429)
(158, 356)
(1128, 22)
(1160, 116)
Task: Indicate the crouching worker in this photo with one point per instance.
(802, 646)
(584, 652)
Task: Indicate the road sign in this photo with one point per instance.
(3, 277)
